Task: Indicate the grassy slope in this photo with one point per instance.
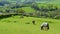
(28, 9)
(8, 26)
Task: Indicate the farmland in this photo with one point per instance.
(17, 25)
(16, 18)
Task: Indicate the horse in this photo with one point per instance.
(45, 26)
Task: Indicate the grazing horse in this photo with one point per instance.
(44, 26)
(33, 22)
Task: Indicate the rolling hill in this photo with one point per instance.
(38, 1)
(17, 25)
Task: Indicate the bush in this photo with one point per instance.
(57, 17)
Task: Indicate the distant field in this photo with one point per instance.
(39, 1)
(28, 9)
(17, 25)
(43, 1)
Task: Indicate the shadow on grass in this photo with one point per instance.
(7, 16)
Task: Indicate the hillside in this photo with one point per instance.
(17, 25)
(38, 1)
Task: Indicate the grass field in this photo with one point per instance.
(17, 25)
(28, 9)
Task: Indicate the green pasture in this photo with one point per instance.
(28, 9)
(17, 25)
